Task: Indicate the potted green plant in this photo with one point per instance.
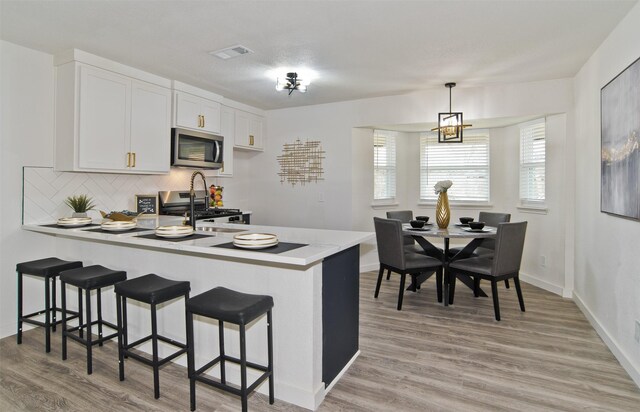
(80, 205)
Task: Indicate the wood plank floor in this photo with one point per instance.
(424, 358)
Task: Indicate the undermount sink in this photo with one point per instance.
(219, 229)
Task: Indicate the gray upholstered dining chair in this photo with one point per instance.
(394, 257)
(405, 216)
(492, 219)
(504, 265)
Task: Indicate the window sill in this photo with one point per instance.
(535, 209)
(384, 205)
(460, 205)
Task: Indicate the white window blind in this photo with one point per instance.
(465, 164)
(384, 165)
(532, 162)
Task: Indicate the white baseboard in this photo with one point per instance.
(342, 372)
(543, 284)
(625, 361)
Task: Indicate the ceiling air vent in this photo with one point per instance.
(231, 52)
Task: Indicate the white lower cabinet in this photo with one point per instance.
(110, 122)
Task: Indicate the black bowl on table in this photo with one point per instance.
(425, 219)
(466, 220)
(476, 225)
(417, 224)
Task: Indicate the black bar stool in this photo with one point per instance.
(88, 278)
(234, 307)
(49, 269)
(151, 289)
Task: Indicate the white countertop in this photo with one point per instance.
(321, 243)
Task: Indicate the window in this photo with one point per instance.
(465, 164)
(532, 163)
(384, 165)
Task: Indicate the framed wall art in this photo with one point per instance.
(620, 144)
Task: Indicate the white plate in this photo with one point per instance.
(254, 242)
(483, 230)
(255, 246)
(255, 237)
(173, 235)
(117, 226)
(74, 221)
(173, 228)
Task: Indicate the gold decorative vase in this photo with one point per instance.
(443, 214)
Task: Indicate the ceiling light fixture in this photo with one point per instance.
(291, 82)
(450, 124)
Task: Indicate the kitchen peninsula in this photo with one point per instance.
(314, 287)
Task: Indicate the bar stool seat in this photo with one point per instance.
(227, 305)
(49, 269)
(88, 278)
(151, 289)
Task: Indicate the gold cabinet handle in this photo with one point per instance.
(199, 121)
(128, 159)
(134, 160)
(250, 140)
(202, 120)
(222, 168)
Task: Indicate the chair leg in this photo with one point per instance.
(516, 281)
(506, 283)
(243, 368)
(380, 273)
(47, 316)
(403, 278)
(99, 304)
(54, 306)
(496, 303)
(120, 322)
(439, 284)
(270, 356)
(125, 328)
(63, 298)
(19, 335)
(154, 345)
(191, 366)
(87, 293)
(452, 286)
(476, 286)
(80, 314)
(388, 274)
(223, 368)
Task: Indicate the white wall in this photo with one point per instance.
(607, 262)
(26, 138)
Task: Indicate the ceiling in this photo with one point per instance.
(357, 49)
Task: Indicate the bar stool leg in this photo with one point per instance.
(223, 378)
(125, 328)
(99, 316)
(191, 367)
(270, 355)
(47, 316)
(63, 296)
(243, 368)
(120, 323)
(80, 314)
(54, 307)
(89, 335)
(154, 343)
(19, 335)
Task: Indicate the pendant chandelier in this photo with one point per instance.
(291, 82)
(450, 124)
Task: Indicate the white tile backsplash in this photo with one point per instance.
(45, 190)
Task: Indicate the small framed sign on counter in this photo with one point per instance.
(147, 205)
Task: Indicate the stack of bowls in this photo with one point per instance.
(174, 232)
(74, 221)
(255, 240)
(117, 225)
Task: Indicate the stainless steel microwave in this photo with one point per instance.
(196, 149)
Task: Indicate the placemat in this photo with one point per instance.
(279, 248)
(110, 232)
(180, 239)
(67, 227)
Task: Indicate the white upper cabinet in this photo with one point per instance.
(196, 109)
(249, 131)
(110, 122)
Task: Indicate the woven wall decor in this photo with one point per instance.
(301, 162)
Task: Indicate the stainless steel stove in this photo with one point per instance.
(176, 203)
